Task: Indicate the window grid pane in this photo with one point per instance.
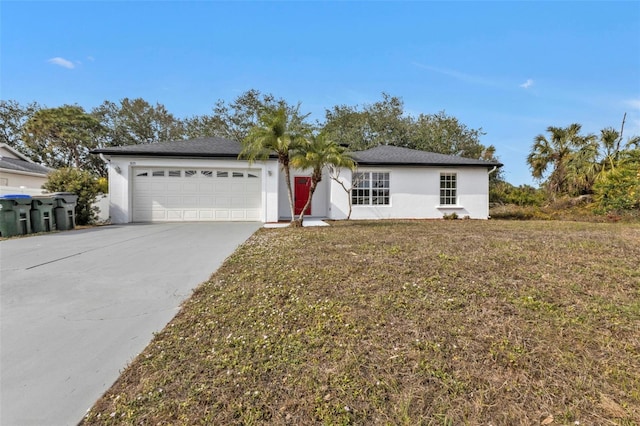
(448, 189)
(370, 189)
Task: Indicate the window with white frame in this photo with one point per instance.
(370, 189)
(448, 189)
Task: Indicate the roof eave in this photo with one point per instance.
(23, 172)
(167, 154)
(407, 164)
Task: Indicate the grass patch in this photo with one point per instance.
(403, 323)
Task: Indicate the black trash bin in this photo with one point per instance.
(15, 217)
(64, 210)
(42, 214)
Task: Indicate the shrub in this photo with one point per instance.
(619, 189)
(523, 195)
(83, 184)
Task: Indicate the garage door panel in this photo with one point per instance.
(158, 215)
(206, 202)
(176, 202)
(191, 194)
(237, 202)
(252, 186)
(223, 188)
(253, 214)
(174, 214)
(253, 202)
(223, 202)
(189, 187)
(190, 215)
(237, 188)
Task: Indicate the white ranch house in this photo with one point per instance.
(203, 180)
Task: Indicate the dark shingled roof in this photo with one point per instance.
(200, 147)
(23, 166)
(398, 156)
(220, 147)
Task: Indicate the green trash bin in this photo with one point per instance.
(42, 214)
(64, 210)
(15, 217)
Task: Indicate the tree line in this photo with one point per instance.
(63, 136)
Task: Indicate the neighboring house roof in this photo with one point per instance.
(398, 156)
(220, 147)
(21, 166)
(12, 160)
(9, 152)
(200, 147)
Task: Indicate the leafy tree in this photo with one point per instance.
(135, 121)
(204, 126)
(236, 119)
(317, 154)
(385, 123)
(445, 134)
(281, 132)
(62, 137)
(570, 156)
(13, 117)
(381, 123)
(82, 183)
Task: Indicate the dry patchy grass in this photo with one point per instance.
(402, 323)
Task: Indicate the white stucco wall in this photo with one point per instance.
(120, 181)
(26, 183)
(415, 194)
(319, 202)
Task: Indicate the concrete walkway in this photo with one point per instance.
(78, 306)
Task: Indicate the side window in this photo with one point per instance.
(448, 189)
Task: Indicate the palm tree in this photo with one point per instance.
(316, 155)
(570, 155)
(280, 131)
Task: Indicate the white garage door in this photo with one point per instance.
(196, 194)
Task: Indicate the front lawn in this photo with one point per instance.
(402, 323)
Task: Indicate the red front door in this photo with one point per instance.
(301, 194)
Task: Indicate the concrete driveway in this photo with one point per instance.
(78, 306)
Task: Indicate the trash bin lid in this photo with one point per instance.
(14, 196)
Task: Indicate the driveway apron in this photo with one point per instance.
(78, 306)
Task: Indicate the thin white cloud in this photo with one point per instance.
(468, 78)
(91, 58)
(633, 103)
(527, 84)
(61, 62)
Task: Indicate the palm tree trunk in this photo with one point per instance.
(312, 189)
(287, 176)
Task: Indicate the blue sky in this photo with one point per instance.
(512, 68)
